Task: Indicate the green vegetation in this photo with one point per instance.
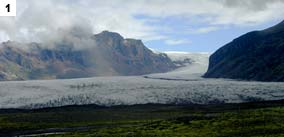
(234, 120)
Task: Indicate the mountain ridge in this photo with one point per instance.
(108, 54)
(255, 56)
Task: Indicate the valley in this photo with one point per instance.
(182, 86)
(143, 68)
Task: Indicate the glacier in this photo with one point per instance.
(182, 86)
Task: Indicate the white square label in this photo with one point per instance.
(8, 7)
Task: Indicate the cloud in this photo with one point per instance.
(249, 12)
(177, 41)
(47, 20)
(206, 29)
(255, 5)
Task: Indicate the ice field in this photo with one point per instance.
(182, 86)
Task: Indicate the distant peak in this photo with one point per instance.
(106, 32)
(109, 34)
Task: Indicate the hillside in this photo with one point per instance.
(106, 54)
(257, 55)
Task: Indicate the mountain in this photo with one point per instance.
(257, 56)
(107, 54)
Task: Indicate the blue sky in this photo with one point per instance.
(163, 25)
(202, 42)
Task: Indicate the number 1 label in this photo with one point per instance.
(8, 8)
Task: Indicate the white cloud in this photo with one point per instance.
(40, 20)
(206, 29)
(177, 41)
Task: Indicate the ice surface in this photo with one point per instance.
(183, 86)
(191, 71)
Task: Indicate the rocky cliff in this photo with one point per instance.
(108, 54)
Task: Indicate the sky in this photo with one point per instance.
(163, 25)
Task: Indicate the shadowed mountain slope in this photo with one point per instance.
(257, 55)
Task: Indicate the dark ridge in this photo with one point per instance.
(256, 56)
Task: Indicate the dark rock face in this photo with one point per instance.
(109, 55)
(258, 55)
(130, 56)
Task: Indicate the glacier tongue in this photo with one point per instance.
(182, 86)
(194, 70)
(109, 91)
